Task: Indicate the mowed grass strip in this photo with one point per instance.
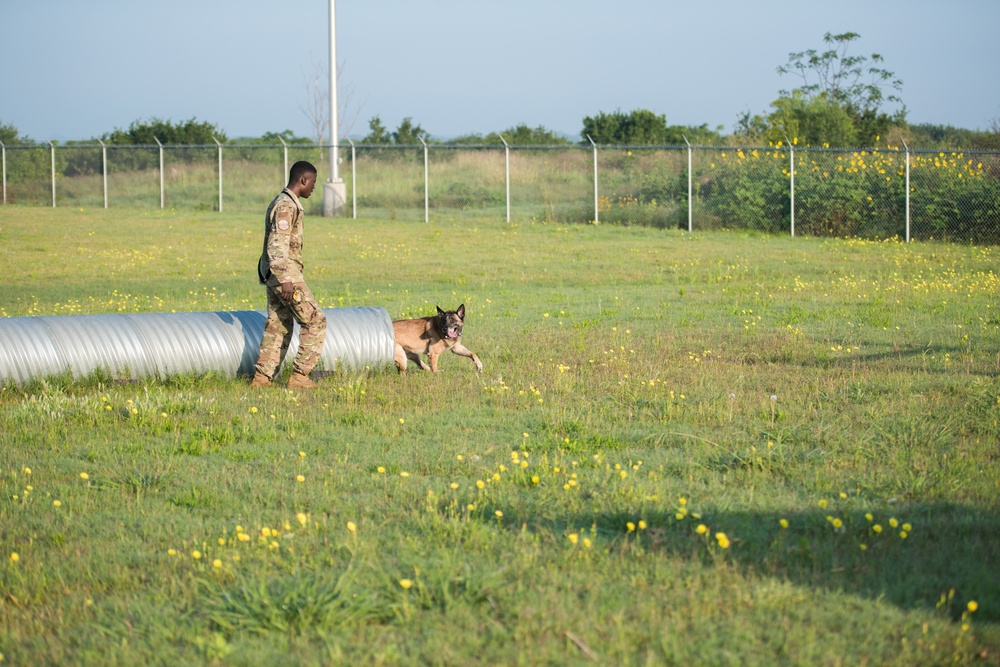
(693, 449)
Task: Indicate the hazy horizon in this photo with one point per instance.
(78, 70)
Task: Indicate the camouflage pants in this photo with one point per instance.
(281, 316)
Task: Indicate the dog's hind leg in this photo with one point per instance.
(413, 356)
(400, 359)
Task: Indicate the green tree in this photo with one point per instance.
(287, 136)
(10, 136)
(813, 121)
(990, 139)
(750, 125)
(522, 135)
(519, 135)
(474, 139)
(858, 85)
(145, 133)
(377, 135)
(700, 135)
(637, 128)
(408, 134)
(31, 164)
(853, 81)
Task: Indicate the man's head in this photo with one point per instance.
(302, 178)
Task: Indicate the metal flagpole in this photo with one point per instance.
(335, 190)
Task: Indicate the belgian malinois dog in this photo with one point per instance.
(431, 336)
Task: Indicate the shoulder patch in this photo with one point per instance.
(283, 224)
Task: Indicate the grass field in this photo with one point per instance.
(718, 449)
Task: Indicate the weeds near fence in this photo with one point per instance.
(951, 195)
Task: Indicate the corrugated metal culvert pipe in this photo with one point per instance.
(164, 344)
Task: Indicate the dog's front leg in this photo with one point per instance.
(433, 358)
(463, 351)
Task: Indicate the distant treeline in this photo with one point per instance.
(636, 128)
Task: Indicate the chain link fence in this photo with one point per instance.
(884, 193)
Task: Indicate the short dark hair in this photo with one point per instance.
(300, 169)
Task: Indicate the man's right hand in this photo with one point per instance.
(287, 292)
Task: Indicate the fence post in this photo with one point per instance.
(3, 160)
(354, 182)
(104, 170)
(791, 157)
(220, 172)
(907, 191)
(506, 171)
(284, 175)
(161, 171)
(690, 190)
(791, 174)
(596, 211)
(52, 152)
(427, 199)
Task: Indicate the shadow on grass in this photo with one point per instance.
(837, 547)
(904, 357)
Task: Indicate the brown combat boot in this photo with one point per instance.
(260, 380)
(300, 381)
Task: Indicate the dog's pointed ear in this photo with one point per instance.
(440, 312)
(461, 311)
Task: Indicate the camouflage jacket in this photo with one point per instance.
(282, 253)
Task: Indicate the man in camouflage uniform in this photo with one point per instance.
(288, 297)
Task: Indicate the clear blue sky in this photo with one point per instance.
(72, 69)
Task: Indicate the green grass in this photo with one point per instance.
(628, 384)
